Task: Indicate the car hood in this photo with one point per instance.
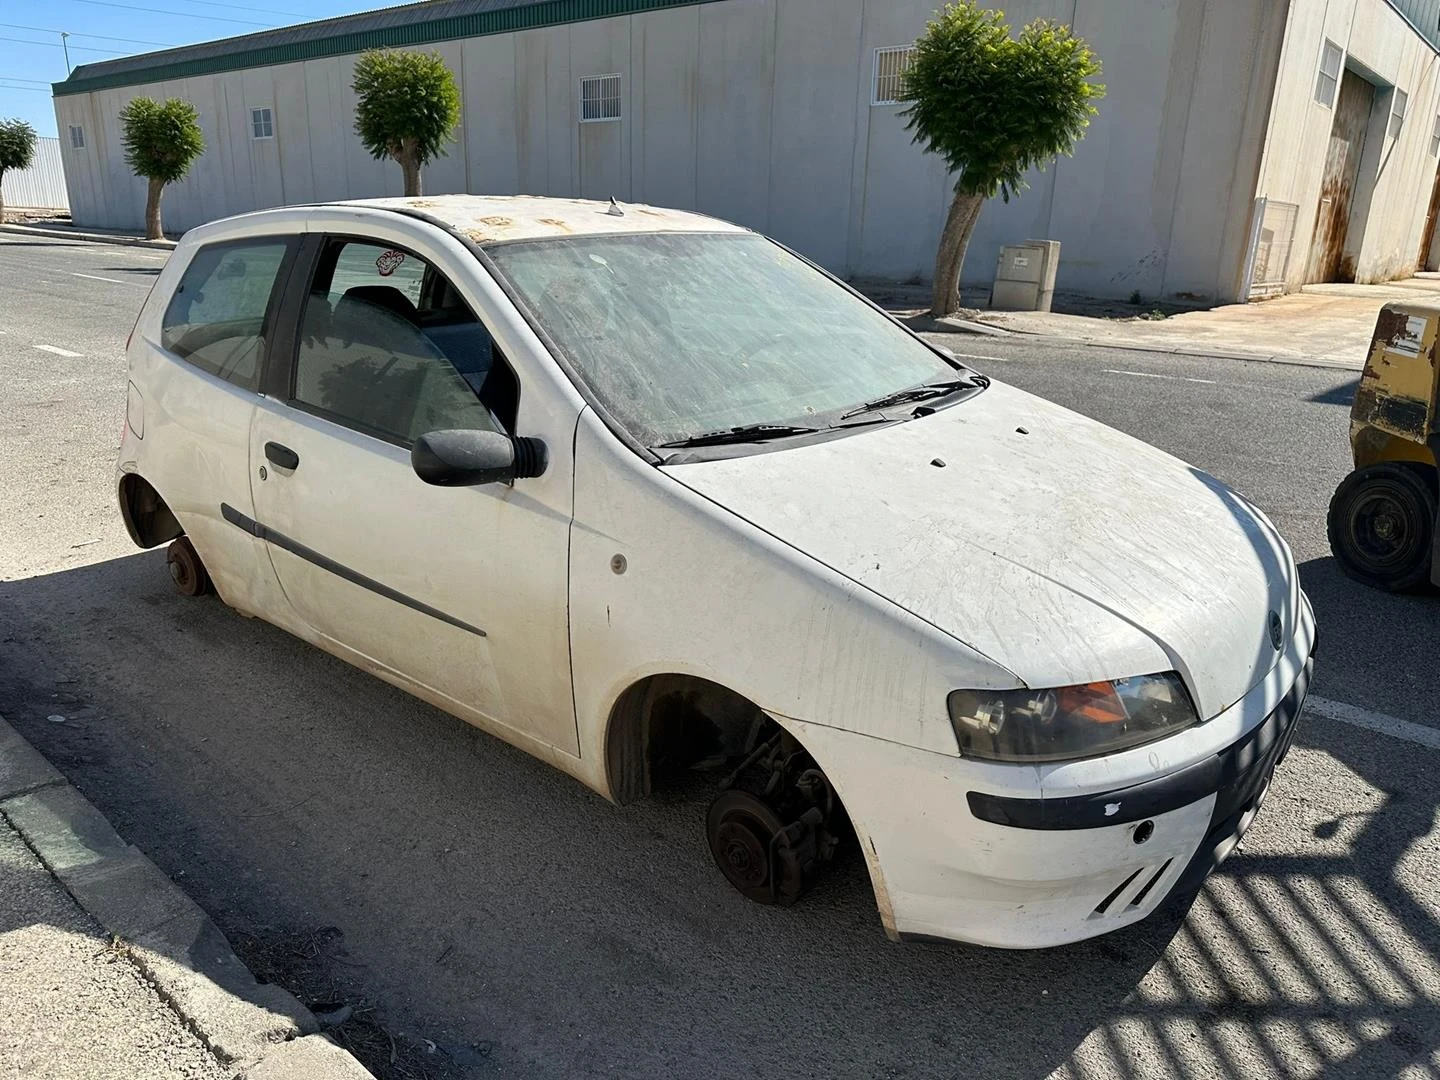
(1060, 548)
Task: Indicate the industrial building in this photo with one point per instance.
(1245, 147)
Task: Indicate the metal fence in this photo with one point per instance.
(42, 186)
(1271, 246)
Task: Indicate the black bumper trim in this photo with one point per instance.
(1237, 775)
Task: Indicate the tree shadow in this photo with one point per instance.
(476, 897)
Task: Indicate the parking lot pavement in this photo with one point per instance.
(489, 914)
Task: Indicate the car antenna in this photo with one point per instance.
(615, 210)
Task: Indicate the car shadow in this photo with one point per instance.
(360, 846)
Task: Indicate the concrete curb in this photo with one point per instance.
(954, 326)
(93, 238)
(172, 942)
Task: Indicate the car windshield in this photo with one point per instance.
(682, 334)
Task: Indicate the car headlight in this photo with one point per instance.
(1070, 722)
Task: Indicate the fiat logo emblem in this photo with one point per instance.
(1277, 631)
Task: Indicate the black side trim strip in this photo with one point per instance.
(280, 540)
(1235, 773)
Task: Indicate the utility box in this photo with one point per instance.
(1025, 276)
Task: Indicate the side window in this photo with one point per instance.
(216, 319)
(388, 346)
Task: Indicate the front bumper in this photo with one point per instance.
(949, 860)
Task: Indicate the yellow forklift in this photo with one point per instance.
(1383, 519)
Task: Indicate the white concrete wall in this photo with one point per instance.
(1397, 173)
(760, 111)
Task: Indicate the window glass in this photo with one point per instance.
(262, 124)
(388, 346)
(679, 334)
(216, 319)
(1328, 78)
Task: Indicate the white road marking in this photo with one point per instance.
(95, 277)
(1374, 721)
(58, 351)
(1156, 375)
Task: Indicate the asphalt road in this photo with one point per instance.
(370, 849)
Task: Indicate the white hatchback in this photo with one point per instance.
(661, 503)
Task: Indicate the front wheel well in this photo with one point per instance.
(148, 520)
(663, 726)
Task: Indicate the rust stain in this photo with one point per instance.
(556, 223)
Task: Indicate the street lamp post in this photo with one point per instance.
(64, 44)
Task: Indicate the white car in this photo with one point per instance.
(661, 503)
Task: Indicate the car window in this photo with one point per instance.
(216, 318)
(682, 333)
(388, 346)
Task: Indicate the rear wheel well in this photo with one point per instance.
(148, 520)
(665, 725)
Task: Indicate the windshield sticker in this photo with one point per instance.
(389, 262)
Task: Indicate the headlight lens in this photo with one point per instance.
(1072, 721)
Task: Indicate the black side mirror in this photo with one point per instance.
(466, 458)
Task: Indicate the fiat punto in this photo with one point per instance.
(664, 504)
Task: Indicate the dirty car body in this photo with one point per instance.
(644, 494)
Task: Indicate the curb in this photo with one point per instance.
(259, 1029)
(955, 326)
(93, 238)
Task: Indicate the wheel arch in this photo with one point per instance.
(148, 519)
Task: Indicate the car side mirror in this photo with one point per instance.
(467, 458)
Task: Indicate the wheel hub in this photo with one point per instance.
(744, 857)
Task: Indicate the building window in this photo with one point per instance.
(262, 124)
(77, 137)
(599, 98)
(891, 64)
(1398, 102)
(1331, 60)
(1435, 139)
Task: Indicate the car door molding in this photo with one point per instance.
(340, 570)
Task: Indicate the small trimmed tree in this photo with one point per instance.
(162, 140)
(993, 107)
(408, 108)
(17, 150)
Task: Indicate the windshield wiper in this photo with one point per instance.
(917, 393)
(743, 434)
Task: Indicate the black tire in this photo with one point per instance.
(1382, 525)
(186, 570)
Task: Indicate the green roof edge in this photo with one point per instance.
(431, 31)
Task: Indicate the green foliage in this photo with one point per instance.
(17, 144)
(994, 106)
(162, 140)
(408, 103)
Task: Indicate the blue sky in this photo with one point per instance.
(31, 57)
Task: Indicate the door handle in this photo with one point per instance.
(282, 457)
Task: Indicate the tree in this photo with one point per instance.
(408, 108)
(17, 150)
(162, 141)
(993, 107)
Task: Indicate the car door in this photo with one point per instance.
(458, 593)
(195, 380)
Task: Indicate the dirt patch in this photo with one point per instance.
(312, 965)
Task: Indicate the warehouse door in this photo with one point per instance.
(1342, 172)
(1427, 234)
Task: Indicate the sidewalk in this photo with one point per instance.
(1323, 324)
(61, 230)
(109, 972)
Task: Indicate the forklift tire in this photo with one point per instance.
(1382, 525)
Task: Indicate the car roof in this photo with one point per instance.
(490, 219)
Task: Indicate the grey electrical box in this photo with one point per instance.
(1025, 276)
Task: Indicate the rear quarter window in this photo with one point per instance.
(216, 318)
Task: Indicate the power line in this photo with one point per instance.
(166, 11)
(57, 45)
(26, 89)
(16, 78)
(76, 33)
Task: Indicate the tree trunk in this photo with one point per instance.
(410, 164)
(153, 230)
(959, 227)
